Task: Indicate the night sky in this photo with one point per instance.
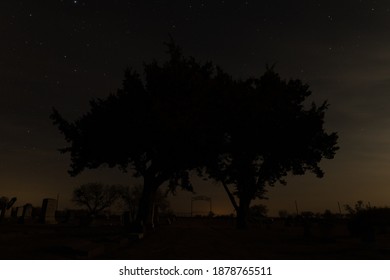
(63, 53)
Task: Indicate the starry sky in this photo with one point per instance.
(63, 53)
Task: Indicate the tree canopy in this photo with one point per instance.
(185, 115)
(270, 135)
(160, 127)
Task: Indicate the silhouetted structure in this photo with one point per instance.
(48, 214)
(5, 205)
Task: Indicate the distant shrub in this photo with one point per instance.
(283, 214)
(257, 213)
(211, 214)
(307, 215)
(366, 221)
(358, 207)
(258, 210)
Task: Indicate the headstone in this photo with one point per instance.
(7, 213)
(13, 212)
(27, 213)
(36, 213)
(49, 207)
(19, 212)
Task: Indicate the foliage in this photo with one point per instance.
(307, 215)
(185, 115)
(270, 134)
(96, 197)
(357, 208)
(211, 214)
(160, 127)
(366, 221)
(283, 214)
(258, 210)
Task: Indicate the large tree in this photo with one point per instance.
(186, 115)
(271, 132)
(160, 127)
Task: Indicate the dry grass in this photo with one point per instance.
(188, 239)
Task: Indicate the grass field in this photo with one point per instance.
(189, 238)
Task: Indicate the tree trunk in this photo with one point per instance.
(242, 213)
(144, 220)
(231, 197)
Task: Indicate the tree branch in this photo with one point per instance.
(230, 195)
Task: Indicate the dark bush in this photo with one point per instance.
(366, 221)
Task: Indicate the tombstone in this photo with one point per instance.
(27, 214)
(7, 213)
(36, 213)
(13, 212)
(27, 210)
(19, 212)
(49, 207)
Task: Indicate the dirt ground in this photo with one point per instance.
(188, 239)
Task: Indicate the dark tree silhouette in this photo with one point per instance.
(96, 197)
(186, 115)
(160, 127)
(270, 134)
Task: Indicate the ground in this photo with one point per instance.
(188, 238)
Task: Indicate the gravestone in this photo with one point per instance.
(19, 212)
(27, 213)
(7, 213)
(27, 210)
(49, 207)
